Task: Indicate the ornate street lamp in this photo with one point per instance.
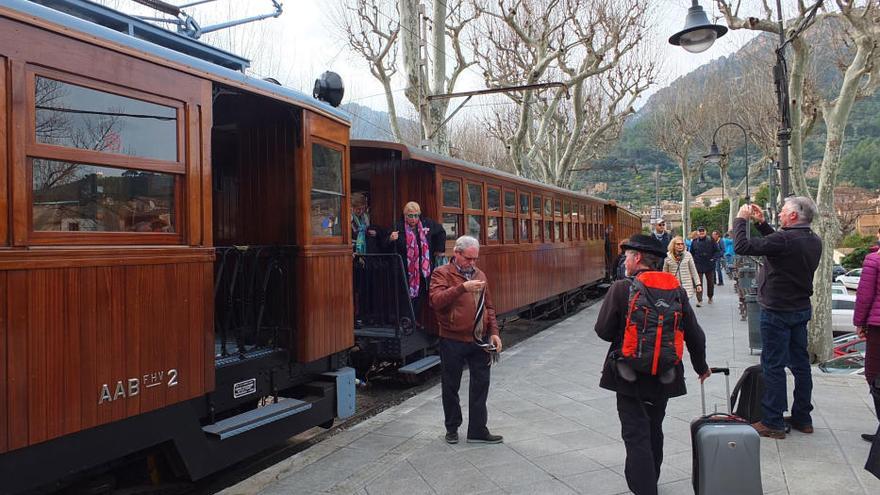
(780, 75)
(714, 155)
(698, 34)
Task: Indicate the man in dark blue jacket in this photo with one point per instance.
(785, 284)
(705, 251)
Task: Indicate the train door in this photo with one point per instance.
(388, 326)
(253, 142)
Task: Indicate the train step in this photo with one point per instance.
(603, 286)
(237, 425)
(421, 365)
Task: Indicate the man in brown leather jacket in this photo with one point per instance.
(465, 314)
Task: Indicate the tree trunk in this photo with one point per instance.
(412, 69)
(685, 200)
(439, 142)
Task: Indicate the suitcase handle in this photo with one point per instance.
(726, 372)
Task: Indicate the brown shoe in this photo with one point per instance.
(799, 426)
(710, 300)
(766, 431)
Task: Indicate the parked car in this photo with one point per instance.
(842, 308)
(850, 279)
(858, 345)
(836, 271)
(851, 364)
(844, 338)
(838, 288)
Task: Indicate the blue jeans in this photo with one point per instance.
(719, 272)
(784, 339)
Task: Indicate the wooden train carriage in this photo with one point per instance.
(123, 166)
(538, 242)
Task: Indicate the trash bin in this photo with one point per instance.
(753, 312)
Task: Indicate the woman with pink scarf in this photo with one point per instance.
(419, 241)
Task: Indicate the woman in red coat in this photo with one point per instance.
(866, 319)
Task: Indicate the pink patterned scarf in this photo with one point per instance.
(417, 259)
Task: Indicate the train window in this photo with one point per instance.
(327, 191)
(492, 229)
(536, 206)
(510, 202)
(451, 193)
(548, 231)
(557, 210)
(74, 116)
(524, 230)
(509, 230)
(450, 225)
(475, 196)
(493, 199)
(523, 204)
(566, 209)
(575, 212)
(571, 234)
(548, 207)
(75, 197)
(560, 232)
(474, 226)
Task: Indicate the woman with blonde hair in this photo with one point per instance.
(680, 262)
(421, 242)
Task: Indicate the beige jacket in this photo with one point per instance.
(686, 271)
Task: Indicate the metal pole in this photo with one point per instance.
(783, 135)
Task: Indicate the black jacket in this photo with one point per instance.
(705, 252)
(436, 238)
(663, 239)
(609, 327)
(791, 255)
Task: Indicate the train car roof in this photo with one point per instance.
(413, 153)
(46, 17)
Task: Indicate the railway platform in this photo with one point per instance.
(562, 435)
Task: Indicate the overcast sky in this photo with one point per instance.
(303, 43)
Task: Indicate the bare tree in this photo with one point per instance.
(853, 25)
(371, 29)
(589, 45)
(378, 29)
(675, 126)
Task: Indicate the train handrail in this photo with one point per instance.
(369, 270)
(248, 283)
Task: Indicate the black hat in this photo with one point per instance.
(701, 228)
(645, 244)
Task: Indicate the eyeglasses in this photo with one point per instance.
(475, 258)
(413, 215)
(679, 244)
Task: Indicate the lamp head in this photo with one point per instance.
(698, 34)
(714, 155)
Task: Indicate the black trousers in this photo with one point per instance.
(453, 357)
(707, 280)
(641, 424)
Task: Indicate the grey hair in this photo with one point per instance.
(803, 206)
(465, 242)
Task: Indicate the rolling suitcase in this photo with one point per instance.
(726, 451)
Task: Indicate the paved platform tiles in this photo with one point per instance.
(562, 435)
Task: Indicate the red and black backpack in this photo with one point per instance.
(653, 340)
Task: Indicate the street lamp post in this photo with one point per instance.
(780, 79)
(715, 155)
(747, 270)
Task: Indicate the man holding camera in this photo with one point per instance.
(785, 284)
(459, 295)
